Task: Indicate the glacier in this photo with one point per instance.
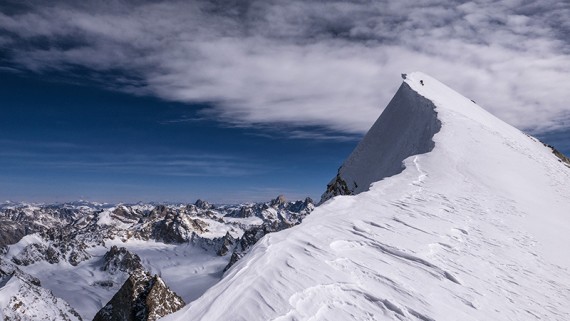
(455, 215)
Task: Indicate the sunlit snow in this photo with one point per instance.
(475, 229)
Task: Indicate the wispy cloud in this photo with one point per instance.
(307, 63)
(71, 159)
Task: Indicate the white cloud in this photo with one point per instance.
(329, 64)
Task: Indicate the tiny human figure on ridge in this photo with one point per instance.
(422, 82)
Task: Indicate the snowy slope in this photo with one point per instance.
(475, 229)
(24, 301)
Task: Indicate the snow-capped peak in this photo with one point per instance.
(405, 128)
(472, 229)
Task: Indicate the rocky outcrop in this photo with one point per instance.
(250, 237)
(279, 201)
(160, 211)
(11, 232)
(36, 252)
(8, 269)
(336, 187)
(177, 228)
(142, 297)
(17, 221)
(126, 214)
(301, 207)
(242, 212)
(563, 158)
(77, 256)
(203, 205)
(52, 252)
(228, 243)
(278, 215)
(278, 209)
(120, 260)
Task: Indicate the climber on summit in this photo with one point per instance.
(422, 82)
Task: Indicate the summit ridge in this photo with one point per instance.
(469, 228)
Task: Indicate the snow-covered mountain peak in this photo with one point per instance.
(455, 215)
(405, 128)
(410, 125)
(451, 103)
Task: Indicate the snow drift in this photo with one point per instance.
(474, 229)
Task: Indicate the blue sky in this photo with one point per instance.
(62, 141)
(244, 100)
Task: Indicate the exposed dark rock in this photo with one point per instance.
(8, 269)
(159, 211)
(228, 242)
(21, 220)
(277, 209)
(11, 232)
(278, 202)
(142, 297)
(251, 236)
(242, 212)
(302, 207)
(336, 187)
(563, 158)
(35, 252)
(52, 255)
(120, 259)
(203, 205)
(288, 214)
(177, 228)
(78, 255)
(125, 214)
(55, 251)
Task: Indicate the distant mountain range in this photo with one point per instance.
(86, 257)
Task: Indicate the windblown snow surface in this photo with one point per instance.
(475, 229)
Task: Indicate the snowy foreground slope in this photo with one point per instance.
(475, 229)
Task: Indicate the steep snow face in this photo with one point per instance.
(476, 229)
(405, 128)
